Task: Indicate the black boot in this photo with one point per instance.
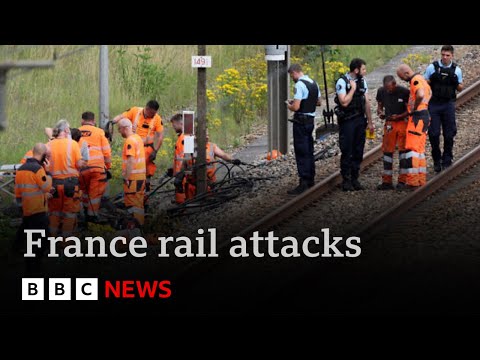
(436, 153)
(385, 186)
(356, 184)
(147, 185)
(347, 185)
(300, 188)
(91, 219)
(447, 156)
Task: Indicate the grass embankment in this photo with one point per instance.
(39, 98)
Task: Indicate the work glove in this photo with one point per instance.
(109, 130)
(153, 155)
(170, 172)
(178, 182)
(236, 161)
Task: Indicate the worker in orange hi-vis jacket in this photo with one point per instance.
(65, 163)
(32, 190)
(133, 170)
(178, 159)
(213, 152)
(148, 124)
(413, 162)
(93, 177)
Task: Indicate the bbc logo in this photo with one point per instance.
(60, 289)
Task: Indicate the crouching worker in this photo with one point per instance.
(32, 189)
(213, 152)
(178, 158)
(133, 170)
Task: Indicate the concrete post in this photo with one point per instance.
(104, 109)
(277, 57)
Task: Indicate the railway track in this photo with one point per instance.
(289, 209)
(438, 183)
(316, 282)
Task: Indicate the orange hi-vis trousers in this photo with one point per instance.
(191, 188)
(149, 164)
(134, 191)
(180, 195)
(64, 207)
(413, 162)
(93, 184)
(393, 137)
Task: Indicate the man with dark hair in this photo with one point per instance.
(148, 124)
(88, 116)
(392, 107)
(353, 112)
(305, 100)
(76, 134)
(445, 79)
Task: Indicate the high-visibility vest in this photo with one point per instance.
(31, 185)
(210, 165)
(134, 147)
(210, 157)
(418, 82)
(65, 153)
(99, 151)
(27, 155)
(143, 127)
(179, 155)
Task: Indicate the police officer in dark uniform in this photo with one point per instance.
(445, 79)
(305, 100)
(353, 112)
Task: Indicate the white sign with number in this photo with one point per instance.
(201, 61)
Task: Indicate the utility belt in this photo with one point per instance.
(92, 167)
(70, 180)
(303, 119)
(70, 186)
(343, 114)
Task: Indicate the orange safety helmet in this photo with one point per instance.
(273, 155)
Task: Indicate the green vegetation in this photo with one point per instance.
(236, 83)
(416, 60)
(338, 55)
(39, 98)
